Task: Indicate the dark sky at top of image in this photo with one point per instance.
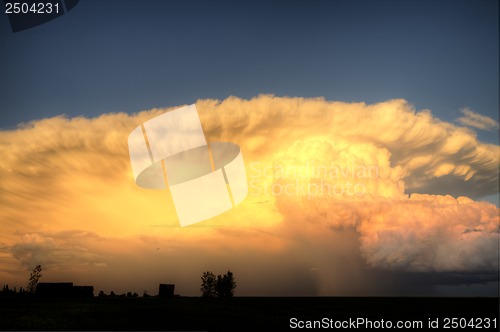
(129, 55)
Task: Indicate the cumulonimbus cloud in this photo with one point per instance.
(423, 233)
(426, 149)
(302, 156)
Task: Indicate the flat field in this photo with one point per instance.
(240, 313)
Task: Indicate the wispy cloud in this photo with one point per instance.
(476, 120)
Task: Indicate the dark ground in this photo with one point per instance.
(231, 314)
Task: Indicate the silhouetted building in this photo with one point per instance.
(166, 290)
(63, 289)
(54, 289)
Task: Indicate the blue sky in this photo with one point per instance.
(112, 56)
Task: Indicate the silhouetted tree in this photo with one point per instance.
(225, 285)
(208, 284)
(220, 286)
(101, 294)
(35, 275)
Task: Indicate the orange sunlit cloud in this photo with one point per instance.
(329, 184)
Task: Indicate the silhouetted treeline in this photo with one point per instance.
(6, 291)
(211, 286)
(52, 290)
(112, 294)
(220, 286)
